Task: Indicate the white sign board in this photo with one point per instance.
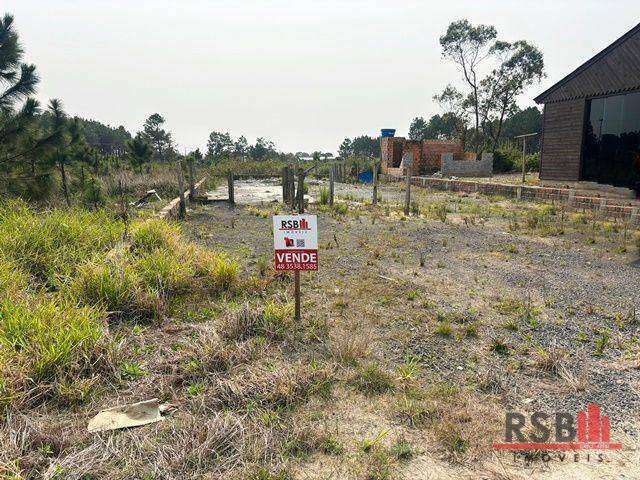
(295, 242)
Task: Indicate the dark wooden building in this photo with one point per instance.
(591, 122)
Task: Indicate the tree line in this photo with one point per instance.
(40, 142)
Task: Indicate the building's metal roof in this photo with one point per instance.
(615, 69)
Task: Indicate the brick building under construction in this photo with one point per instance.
(427, 154)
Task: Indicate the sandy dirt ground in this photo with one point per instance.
(550, 314)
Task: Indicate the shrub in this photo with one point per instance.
(505, 159)
(93, 193)
(532, 163)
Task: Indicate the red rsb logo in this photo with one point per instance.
(587, 430)
(296, 224)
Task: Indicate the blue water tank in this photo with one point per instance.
(388, 132)
(366, 177)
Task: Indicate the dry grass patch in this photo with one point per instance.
(462, 423)
(281, 386)
(550, 360)
(273, 320)
(350, 350)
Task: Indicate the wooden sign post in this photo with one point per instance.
(295, 243)
(407, 163)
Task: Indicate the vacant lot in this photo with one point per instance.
(440, 322)
(418, 334)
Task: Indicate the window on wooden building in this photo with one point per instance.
(611, 153)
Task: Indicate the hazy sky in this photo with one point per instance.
(304, 74)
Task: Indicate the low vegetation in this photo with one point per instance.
(65, 274)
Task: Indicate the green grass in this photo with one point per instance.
(43, 341)
(276, 319)
(437, 211)
(402, 450)
(130, 371)
(324, 196)
(63, 274)
(340, 208)
(331, 446)
(444, 329)
(499, 346)
(372, 380)
(13, 281)
(51, 245)
(154, 233)
(113, 284)
(164, 271)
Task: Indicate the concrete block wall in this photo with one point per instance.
(434, 149)
(625, 210)
(453, 165)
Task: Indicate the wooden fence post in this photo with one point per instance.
(375, 184)
(301, 191)
(232, 200)
(407, 197)
(292, 189)
(285, 185)
(192, 185)
(182, 210)
(332, 173)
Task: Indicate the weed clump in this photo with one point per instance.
(324, 196)
(273, 321)
(372, 380)
(153, 234)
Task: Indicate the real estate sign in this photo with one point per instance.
(295, 241)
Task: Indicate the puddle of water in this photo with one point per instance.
(250, 191)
